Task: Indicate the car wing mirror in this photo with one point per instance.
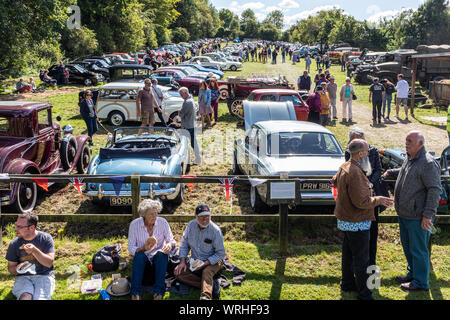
(109, 140)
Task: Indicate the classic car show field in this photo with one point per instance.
(312, 268)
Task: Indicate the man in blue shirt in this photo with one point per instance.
(204, 239)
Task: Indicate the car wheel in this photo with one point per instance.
(26, 196)
(223, 93)
(236, 108)
(68, 151)
(235, 166)
(233, 68)
(87, 82)
(83, 161)
(256, 202)
(180, 196)
(116, 118)
(193, 90)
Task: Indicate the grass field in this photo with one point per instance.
(312, 269)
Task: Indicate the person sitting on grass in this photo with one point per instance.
(30, 258)
(22, 86)
(204, 239)
(150, 240)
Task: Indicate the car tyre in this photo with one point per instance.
(233, 68)
(193, 90)
(116, 118)
(83, 161)
(68, 151)
(26, 196)
(256, 202)
(235, 167)
(180, 196)
(235, 107)
(87, 82)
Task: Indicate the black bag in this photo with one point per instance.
(107, 258)
(354, 97)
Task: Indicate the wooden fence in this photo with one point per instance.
(283, 217)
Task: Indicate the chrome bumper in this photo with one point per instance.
(169, 194)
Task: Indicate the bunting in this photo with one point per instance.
(227, 186)
(333, 190)
(117, 184)
(42, 182)
(78, 184)
(190, 184)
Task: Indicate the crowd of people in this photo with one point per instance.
(362, 196)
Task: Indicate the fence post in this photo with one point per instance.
(135, 193)
(1, 229)
(283, 229)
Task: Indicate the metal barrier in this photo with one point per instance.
(282, 217)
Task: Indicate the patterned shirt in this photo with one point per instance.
(353, 226)
(206, 244)
(138, 234)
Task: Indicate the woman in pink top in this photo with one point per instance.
(147, 226)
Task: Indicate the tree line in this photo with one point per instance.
(34, 33)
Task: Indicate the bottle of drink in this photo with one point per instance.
(105, 295)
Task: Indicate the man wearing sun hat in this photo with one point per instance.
(204, 239)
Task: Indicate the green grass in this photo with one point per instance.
(308, 273)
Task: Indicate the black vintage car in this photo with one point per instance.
(77, 74)
(94, 66)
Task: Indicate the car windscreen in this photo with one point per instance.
(79, 68)
(131, 133)
(302, 143)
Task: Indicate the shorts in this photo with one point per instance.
(148, 118)
(402, 101)
(41, 287)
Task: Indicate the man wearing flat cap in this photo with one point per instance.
(204, 239)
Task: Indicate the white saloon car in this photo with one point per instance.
(116, 102)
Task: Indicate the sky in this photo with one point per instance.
(295, 10)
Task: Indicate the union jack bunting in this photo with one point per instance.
(227, 186)
(78, 184)
(333, 190)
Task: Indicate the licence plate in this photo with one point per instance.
(315, 186)
(113, 201)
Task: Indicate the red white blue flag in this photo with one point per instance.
(78, 184)
(227, 186)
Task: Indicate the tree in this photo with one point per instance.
(269, 32)
(249, 24)
(276, 18)
(180, 35)
(79, 42)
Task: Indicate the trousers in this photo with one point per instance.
(202, 279)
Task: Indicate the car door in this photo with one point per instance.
(74, 75)
(46, 154)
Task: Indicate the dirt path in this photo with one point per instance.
(38, 95)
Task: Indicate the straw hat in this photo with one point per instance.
(118, 287)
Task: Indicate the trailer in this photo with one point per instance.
(440, 93)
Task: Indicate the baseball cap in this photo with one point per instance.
(202, 210)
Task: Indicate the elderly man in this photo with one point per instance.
(304, 82)
(354, 213)
(205, 241)
(379, 188)
(36, 248)
(150, 240)
(332, 90)
(187, 114)
(145, 104)
(417, 192)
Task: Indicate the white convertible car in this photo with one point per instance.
(277, 146)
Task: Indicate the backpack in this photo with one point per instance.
(107, 258)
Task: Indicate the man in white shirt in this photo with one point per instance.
(402, 95)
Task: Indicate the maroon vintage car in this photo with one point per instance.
(240, 88)
(301, 108)
(193, 84)
(31, 143)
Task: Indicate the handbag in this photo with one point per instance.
(354, 97)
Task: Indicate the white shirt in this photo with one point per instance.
(402, 89)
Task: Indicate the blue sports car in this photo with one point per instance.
(143, 150)
(203, 69)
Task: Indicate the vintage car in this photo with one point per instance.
(116, 102)
(129, 72)
(238, 89)
(193, 84)
(31, 143)
(208, 62)
(143, 150)
(301, 108)
(393, 159)
(190, 72)
(78, 74)
(230, 64)
(272, 147)
(199, 67)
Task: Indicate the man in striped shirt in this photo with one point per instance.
(141, 229)
(204, 239)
